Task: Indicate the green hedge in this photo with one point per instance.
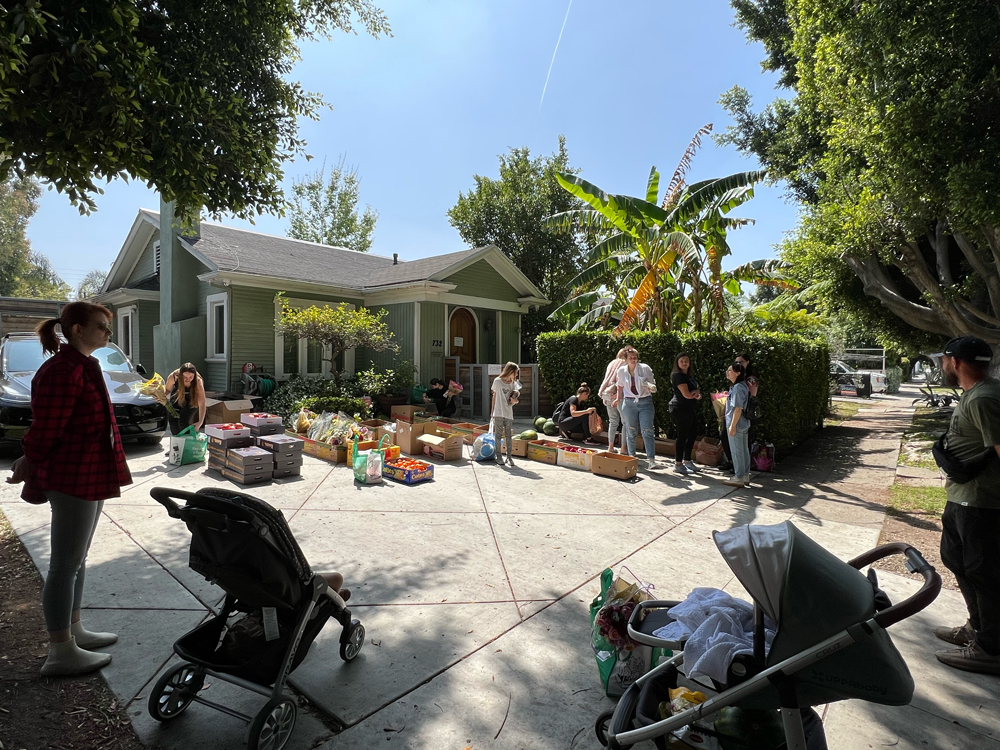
(317, 394)
(794, 374)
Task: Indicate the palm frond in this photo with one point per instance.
(653, 185)
(676, 183)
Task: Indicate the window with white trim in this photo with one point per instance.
(218, 327)
(306, 357)
(126, 325)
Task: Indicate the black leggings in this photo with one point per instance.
(576, 424)
(684, 419)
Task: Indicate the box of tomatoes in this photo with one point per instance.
(575, 457)
(408, 470)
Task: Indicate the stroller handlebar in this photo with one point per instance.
(165, 497)
(916, 564)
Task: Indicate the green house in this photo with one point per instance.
(208, 295)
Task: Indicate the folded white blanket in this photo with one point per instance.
(717, 628)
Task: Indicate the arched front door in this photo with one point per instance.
(463, 336)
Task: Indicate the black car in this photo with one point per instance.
(139, 417)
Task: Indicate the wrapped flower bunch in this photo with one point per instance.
(156, 389)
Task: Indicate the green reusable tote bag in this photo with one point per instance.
(188, 446)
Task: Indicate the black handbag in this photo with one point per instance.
(960, 472)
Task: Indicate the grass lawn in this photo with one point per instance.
(925, 428)
(841, 411)
(931, 500)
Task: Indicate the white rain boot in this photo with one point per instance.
(67, 658)
(86, 639)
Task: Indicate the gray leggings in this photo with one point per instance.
(73, 524)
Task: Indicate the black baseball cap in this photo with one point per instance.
(970, 349)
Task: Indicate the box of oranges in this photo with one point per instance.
(408, 470)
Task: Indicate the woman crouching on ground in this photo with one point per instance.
(574, 418)
(73, 459)
(186, 391)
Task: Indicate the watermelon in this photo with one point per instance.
(528, 435)
(549, 428)
(540, 423)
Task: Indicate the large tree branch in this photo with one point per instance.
(941, 253)
(917, 271)
(877, 284)
(984, 267)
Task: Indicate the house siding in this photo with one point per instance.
(146, 265)
(148, 313)
(510, 347)
(401, 322)
(432, 336)
(482, 280)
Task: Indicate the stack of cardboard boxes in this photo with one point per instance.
(253, 451)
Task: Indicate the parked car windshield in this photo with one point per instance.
(26, 356)
(843, 367)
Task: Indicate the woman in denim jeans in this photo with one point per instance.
(636, 386)
(738, 425)
(607, 392)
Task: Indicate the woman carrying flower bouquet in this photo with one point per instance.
(186, 393)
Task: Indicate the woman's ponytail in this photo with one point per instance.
(46, 331)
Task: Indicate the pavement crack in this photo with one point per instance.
(496, 543)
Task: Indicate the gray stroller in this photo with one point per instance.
(830, 642)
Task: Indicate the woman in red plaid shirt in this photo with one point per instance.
(74, 460)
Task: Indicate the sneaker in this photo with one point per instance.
(970, 658)
(689, 465)
(963, 635)
(735, 482)
(652, 464)
(681, 469)
(510, 460)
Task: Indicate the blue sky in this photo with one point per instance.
(459, 83)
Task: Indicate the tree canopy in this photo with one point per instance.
(889, 140)
(509, 211)
(91, 284)
(190, 97)
(23, 272)
(326, 211)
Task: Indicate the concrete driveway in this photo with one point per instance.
(474, 590)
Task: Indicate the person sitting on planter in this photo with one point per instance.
(575, 419)
(442, 399)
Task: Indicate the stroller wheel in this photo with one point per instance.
(273, 725)
(351, 646)
(174, 691)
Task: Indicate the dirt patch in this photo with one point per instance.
(69, 713)
(923, 531)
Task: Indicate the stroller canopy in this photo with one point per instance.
(810, 595)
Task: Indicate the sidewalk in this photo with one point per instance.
(474, 590)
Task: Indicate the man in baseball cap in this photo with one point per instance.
(970, 539)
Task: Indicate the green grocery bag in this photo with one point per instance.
(368, 464)
(188, 447)
(620, 660)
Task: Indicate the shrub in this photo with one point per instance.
(348, 404)
(894, 377)
(794, 374)
(285, 399)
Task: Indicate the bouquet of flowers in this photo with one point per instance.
(156, 388)
(454, 388)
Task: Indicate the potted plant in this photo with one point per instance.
(396, 385)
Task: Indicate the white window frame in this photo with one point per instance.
(128, 347)
(212, 303)
(303, 352)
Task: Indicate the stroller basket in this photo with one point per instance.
(830, 639)
(246, 547)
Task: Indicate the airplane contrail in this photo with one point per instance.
(554, 54)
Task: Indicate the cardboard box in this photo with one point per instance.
(519, 447)
(236, 457)
(285, 473)
(218, 411)
(227, 430)
(249, 469)
(281, 444)
(446, 446)
(543, 451)
(364, 445)
(388, 431)
(336, 454)
(255, 478)
(405, 413)
(287, 463)
(266, 429)
(408, 476)
(214, 462)
(259, 419)
(469, 430)
(225, 443)
(575, 459)
(407, 434)
(614, 465)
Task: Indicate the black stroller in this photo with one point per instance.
(244, 545)
(829, 644)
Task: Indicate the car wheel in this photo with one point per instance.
(149, 440)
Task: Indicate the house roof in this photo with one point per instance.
(241, 251)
